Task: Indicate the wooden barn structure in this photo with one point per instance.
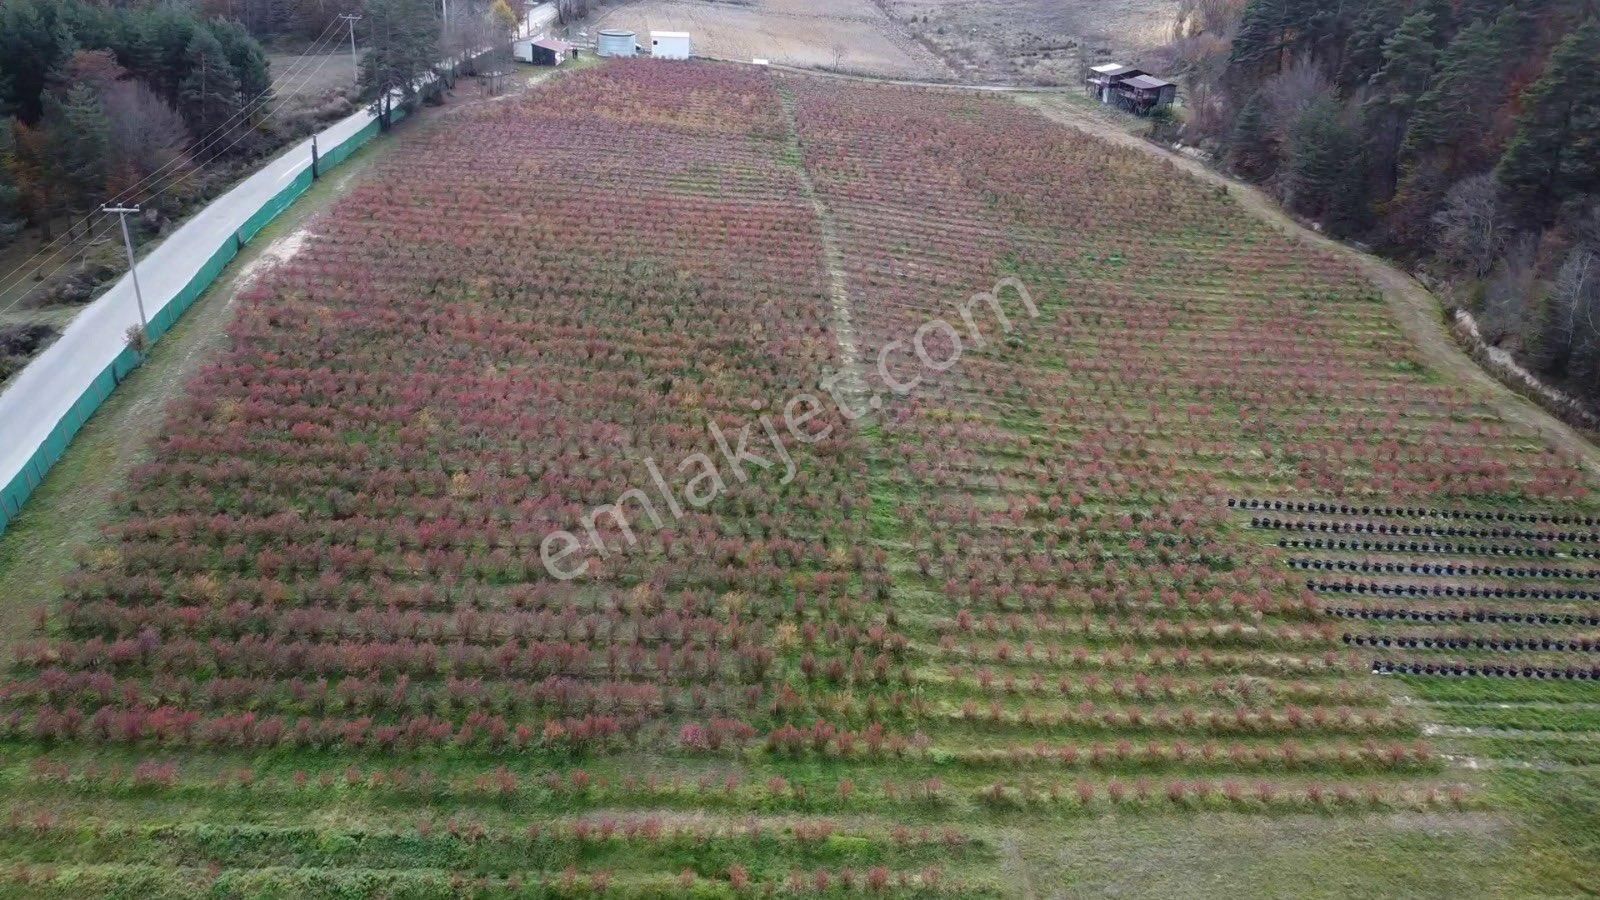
(1143, 93)
(1104, 76)
(543, 51)
(552, 52)
(1129, 88)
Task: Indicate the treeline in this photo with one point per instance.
(93, 99)
(305, 19)
(309, 19)
(1462, 135)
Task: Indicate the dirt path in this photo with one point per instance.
(851, 375)
(1417, 311)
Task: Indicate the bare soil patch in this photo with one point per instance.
(1034, 41)
(842, 35)
(311, 76)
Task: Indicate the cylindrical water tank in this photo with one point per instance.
(617, 42)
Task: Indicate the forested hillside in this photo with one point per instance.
(95, 98)
(1462, 135)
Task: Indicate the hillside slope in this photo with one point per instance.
(998, 610)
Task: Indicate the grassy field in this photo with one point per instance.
(1000, 612)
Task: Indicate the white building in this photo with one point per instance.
(536, 24)
(669, 44)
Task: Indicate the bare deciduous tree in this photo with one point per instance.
(568, 11)
(1472, 225)
(466, 33)
(1505, 297)
(1209, 17)
(1570, 332)
(146, 134)
(1289, 94)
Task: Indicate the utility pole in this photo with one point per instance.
(122, 213)
(355, 62)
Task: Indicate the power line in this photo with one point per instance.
(50, 249)
(19, 274)
(168, 180)
(156, 192)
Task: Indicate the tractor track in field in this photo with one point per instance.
(850, 377)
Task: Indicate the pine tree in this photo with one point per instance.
(1444, 19)
(34, 43)
(1482, 10)
(209, 94)
(1555, 153)
(1382, 127)
(1451, 117)
(164, 34)
(1259, 40)
(79, 139)
(404, 47)
(1363, 53)
(244, 54)
(10, 196)
(1321, 151)
(1409, 59)
(1250, 149)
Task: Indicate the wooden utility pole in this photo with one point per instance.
(355, 61)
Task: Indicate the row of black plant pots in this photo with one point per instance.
(1447, 548)
(1438, 569)
(1498, 645)
(1564, 537)
(1448, 590)
(1478, 616)
(1569, 673)
(1345, 509)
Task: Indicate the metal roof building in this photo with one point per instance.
(1129, 88)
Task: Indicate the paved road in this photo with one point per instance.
(42, 393)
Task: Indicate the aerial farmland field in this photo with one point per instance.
(812, 488)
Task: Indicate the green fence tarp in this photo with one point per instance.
(15, 494)
(330, 158)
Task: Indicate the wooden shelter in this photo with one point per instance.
(551, 52)
(1126, 87)
(1140, 94)
(1104, 77)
